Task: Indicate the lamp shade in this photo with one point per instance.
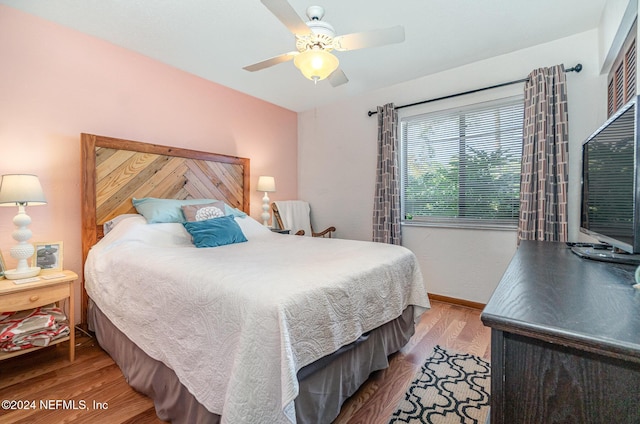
(316, 64)
(266, 184)
(21, 189)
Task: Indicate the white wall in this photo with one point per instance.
(615, 23)
(337, 160)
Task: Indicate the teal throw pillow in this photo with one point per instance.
(163, 210)
(215, 232)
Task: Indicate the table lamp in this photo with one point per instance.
(21, 190)
(267, 185)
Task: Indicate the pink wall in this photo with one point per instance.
(56, 83)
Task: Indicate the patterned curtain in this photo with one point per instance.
(386, 208)
(544, 177)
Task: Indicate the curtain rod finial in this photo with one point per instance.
(576, 68)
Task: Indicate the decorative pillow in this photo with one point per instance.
(170, 210)
(202, 212)
(215, 232)
(234, 211)
(164, 210)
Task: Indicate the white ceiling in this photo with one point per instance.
(214, 39)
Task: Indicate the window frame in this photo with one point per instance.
(622, 77)
(502, 95)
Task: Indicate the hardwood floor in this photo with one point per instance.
(94, 385)
(454, 327)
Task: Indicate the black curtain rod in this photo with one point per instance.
(576, 68)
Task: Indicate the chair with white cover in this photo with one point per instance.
(295, 215)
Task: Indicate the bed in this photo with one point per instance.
(272, 328)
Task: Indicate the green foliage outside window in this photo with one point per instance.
(464, 168)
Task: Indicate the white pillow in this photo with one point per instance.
(137, 229)
(252, 228)
(108, 226)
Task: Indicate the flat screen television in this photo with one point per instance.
(610, 199)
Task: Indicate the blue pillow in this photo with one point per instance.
(215, 232)
(234, 211)
(170, 210)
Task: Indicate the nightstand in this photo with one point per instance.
(19, 297)
(280, 231)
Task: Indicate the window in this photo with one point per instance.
(622, 77)
(461, 167)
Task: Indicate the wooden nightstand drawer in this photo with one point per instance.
(33, 298)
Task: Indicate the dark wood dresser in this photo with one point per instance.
(565, 340)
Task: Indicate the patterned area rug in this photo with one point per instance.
(450, 388)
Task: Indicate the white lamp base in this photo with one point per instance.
(13, 274)
(23, 250)
(265, 210)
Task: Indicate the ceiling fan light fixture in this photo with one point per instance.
(316, 64)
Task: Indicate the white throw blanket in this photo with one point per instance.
(237, 322)
(295, 215)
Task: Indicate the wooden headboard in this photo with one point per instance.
(116, 170)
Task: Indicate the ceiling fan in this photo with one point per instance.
(316, 39)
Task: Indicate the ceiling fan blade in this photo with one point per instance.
(361, 40)
(270, 62)
(288, 16)
(337, 78)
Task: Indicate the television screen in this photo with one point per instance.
(608, 182)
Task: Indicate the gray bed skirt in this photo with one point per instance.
(324, 384)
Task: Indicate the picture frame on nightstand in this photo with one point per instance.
(48, 255)
(2, 266)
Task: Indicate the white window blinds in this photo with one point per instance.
(461, 167)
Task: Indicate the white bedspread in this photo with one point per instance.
(237, 322)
